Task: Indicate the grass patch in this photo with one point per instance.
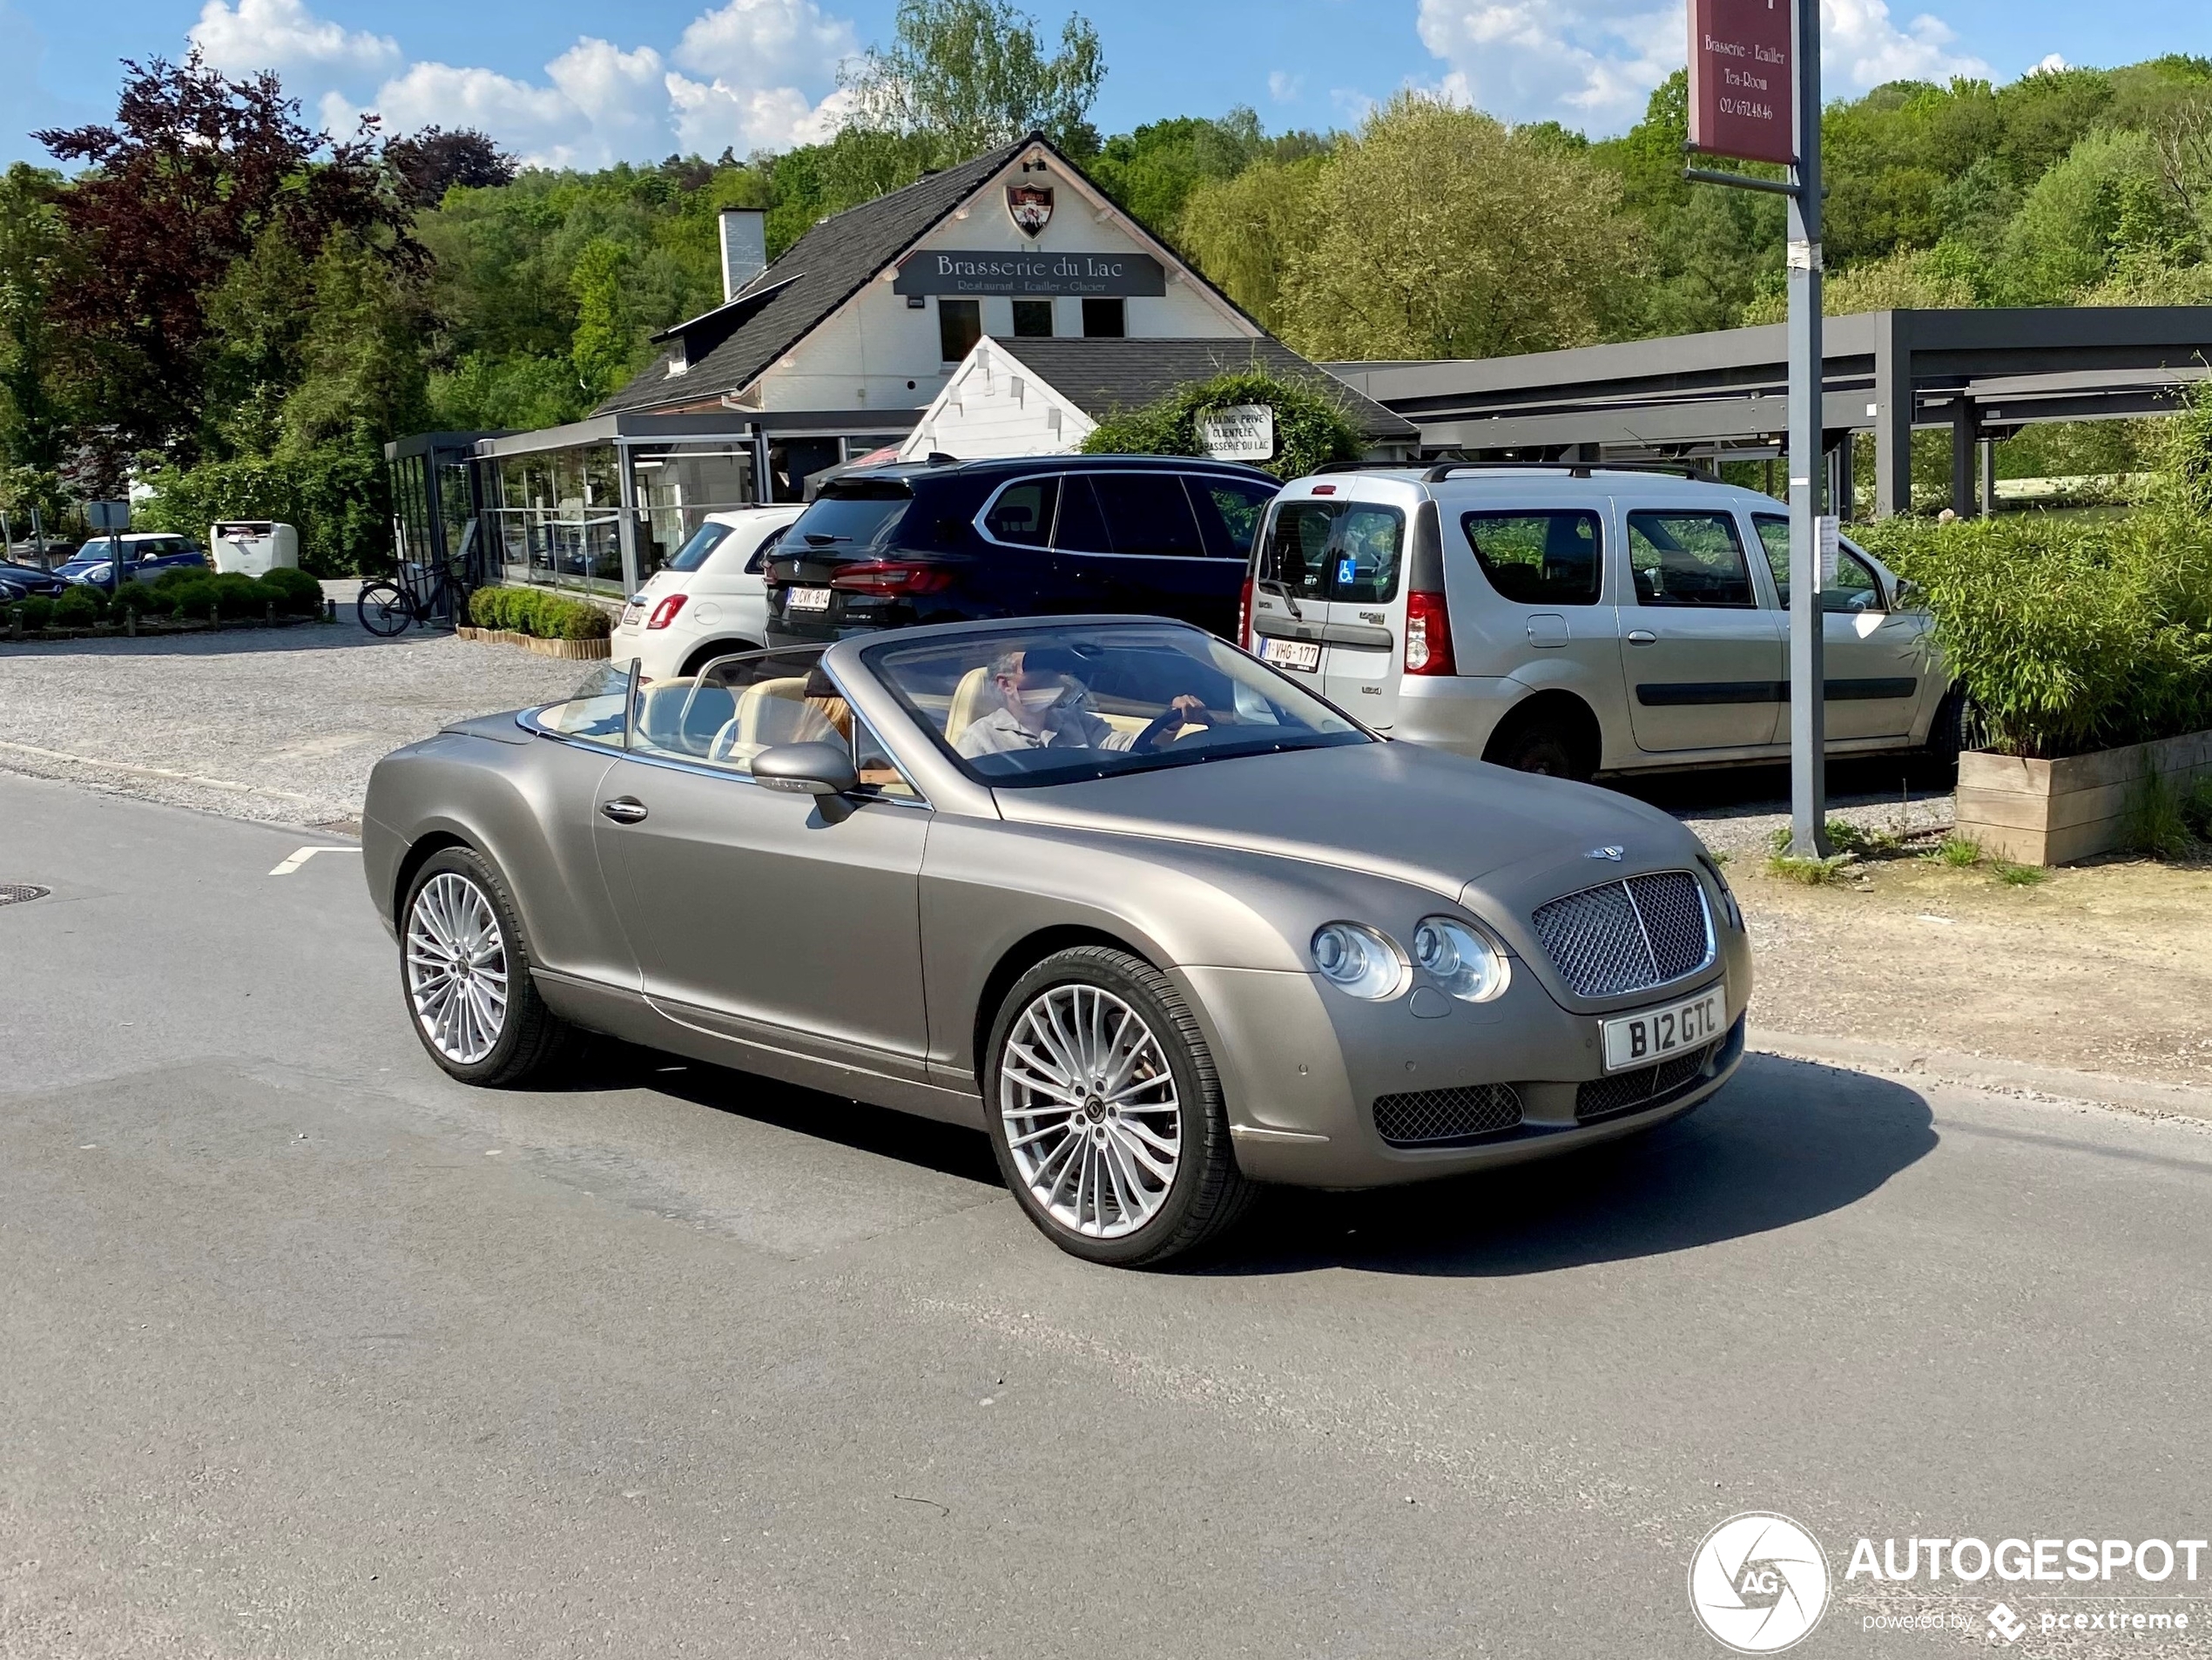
(2155, 821)
(2014, 875)
(1810, 873)
(1959, 853)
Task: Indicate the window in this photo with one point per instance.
(1687, 559)
(1231, 511)
(1048, 702)
(879, 774)
(1079, 529)
(595, 712)
(704, 540)
(1857, 587)
(1022, 512)
(1105, 319)
(1537, 558)
(737, 706)
(1033, 320)
(851, 512)
(960, 325)
(1336, 551)
(1147, 513)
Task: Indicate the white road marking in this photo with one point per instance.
(301, 857)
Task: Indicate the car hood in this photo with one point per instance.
(1396, 810)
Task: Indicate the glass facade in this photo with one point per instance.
(678, 486)
(558, 518)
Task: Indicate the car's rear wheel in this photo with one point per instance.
(1106, 1113)
(1543, 746)
(465, 968)
(706, 654)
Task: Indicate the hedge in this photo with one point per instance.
(535, 611)
(1310, 426)
(192, 595)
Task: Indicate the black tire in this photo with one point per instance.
(1543, 746)
(531, 1039)
(1950, 731)
(1206, 1194)
(383, 608)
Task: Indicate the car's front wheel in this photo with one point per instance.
(1106, 1113)
(465, 969)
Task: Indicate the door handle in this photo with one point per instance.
(623, 809)
(1642, 636)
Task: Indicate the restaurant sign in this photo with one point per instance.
(1028, 271)
(1741, 84)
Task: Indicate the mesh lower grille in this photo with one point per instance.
(1645, 1086)
(1426, 1116)
(1626, 936)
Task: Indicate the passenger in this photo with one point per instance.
(1043, 704)
(823, 697)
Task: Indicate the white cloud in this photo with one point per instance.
(1283, 86)
(752, 64)
(2050, 63)
(1593, 63)
(283, 34)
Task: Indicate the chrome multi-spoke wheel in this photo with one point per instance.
(1091, 1113)
(456, 968)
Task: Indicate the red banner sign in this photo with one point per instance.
(1741, 87)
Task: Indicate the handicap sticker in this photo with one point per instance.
(1347, 571)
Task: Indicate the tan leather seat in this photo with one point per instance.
(972, 698)
(771, 712)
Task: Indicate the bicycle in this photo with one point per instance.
(386, 607)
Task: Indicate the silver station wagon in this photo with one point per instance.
(1158, 918)
(1579, 621)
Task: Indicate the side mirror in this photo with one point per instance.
(806, 769)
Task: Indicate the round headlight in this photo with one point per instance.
(1358, 960)
(1459, 959)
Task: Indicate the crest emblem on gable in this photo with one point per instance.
(1029, 207)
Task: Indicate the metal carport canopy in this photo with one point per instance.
(1886, 371)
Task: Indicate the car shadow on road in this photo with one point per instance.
(1785, 1142)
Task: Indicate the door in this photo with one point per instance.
(1157, 564)
(1876, 657)
(1546, 567)
(1328, 602)
(1703, 660)
(1032, 571)
(753, 907)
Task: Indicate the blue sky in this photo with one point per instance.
(559, 81)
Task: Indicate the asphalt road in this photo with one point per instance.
(305, 1350)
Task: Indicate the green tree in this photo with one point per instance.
(972, 74)
(33, 259)
(1240, 231)
(1152, 171)
(1441, 232)
(1310, 426)
(600, 348)
(2070, 223)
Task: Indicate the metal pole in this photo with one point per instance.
(1808, 666)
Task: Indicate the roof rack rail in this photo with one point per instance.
(1442, 471)
(1367, 466)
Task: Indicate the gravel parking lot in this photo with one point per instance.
(281, 725)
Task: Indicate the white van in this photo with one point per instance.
(708, 601)
(1578, 620)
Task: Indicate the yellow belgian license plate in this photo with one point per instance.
(1639, 1040)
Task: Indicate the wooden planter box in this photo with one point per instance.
(598, 648)
(2052, 813)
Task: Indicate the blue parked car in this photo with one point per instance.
(146, 554)
(27, 582)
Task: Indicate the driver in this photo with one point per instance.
(1042, 705)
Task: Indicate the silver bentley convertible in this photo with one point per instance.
(1161, 921)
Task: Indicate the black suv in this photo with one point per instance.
(944, 542)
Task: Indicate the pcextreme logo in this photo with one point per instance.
(1759, 1582)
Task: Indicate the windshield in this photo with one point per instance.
(848, 516)
(704, 540)
(1058, 703)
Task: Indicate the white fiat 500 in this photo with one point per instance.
(707, 601)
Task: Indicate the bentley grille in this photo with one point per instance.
(1429, 1117)
(1626, 936)
(1649, 1086)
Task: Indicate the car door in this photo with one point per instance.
(1043, 535)
(1703, 659)
(1544, 618)
(761, 914)
(1158, 563)
(1328, 600)
(1876, 658)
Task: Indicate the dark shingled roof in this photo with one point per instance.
(825, 268)
(1102, 375)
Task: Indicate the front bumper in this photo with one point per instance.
(1302, 1066)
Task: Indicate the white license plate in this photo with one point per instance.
(807, 599)
(1639, 1040)
(1304, 655)
(632, 615)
